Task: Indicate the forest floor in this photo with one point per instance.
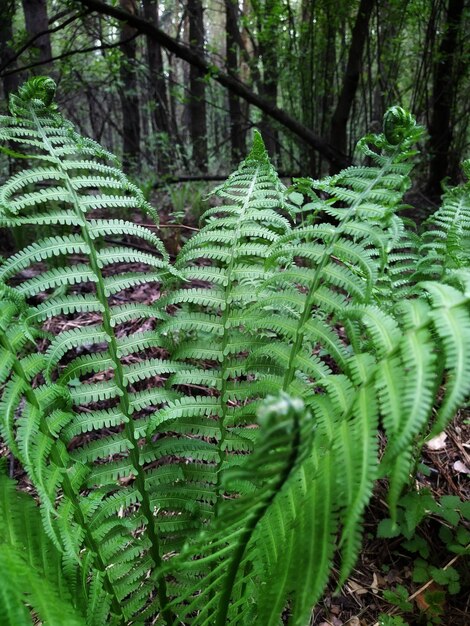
(385, 565)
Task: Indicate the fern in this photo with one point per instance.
(162, 495)
(205, 336)
(311, 476)
(445, 242)
(75, 173)
(32, 573)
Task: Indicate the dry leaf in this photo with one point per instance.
(461, 467)
(357, 588)
(353, 621)
(375, 584)
(421, 600)
(438, 442)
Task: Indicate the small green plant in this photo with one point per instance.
(399, 598)
(413, 511)
(202, 459)
(187, 199)
(391, 620)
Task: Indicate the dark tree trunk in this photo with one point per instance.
(232, 38)
(340, 117)
(158, 89)
(330, 28)
(10, 84)
(36, 21)
(389, 21)
(444, 87)
(128, 92)
(197, 87)
(10, 81)
(268, 86)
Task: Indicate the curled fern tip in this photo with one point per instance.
(39, 90)
(258, 151)
(398, 124)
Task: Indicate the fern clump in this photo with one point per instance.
(202, 458)
(445, 244)
(71, 180)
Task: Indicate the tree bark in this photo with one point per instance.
(197, 87)
(339, 121)
(158, 88)
(332, 154)
(10, 81)
(232, 39)
(444, 87)
(36, 21)
(268, 35)
(128, 92)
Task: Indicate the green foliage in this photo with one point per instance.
(33, 579)
(399, 597)
(446, 244)
(391, 620)
(205, 457)
(413, 514)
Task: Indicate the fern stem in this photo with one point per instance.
(299, 333)
(124, 402)
(69, 491)
(253, 523)
(225, 339)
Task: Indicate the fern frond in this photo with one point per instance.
(72, 178)
(445, 244)
(32, 571)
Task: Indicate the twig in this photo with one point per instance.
(178, 226)
(30, 41)
(68, 54)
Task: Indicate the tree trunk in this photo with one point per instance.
(36, 21)
(269, 27)
(232, 37)
(390, 20)
(340, 117)
(444, 87)
(197, 87)
(128, 92)
(158, 90)
(10, 81)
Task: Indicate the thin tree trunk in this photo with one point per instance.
(328, 74)
(197, 87)
(128, 92)
(342, 112)
(389, 20)
(10, 81)
(158, 89)
(444, 87)
(36, 21)
(269, 27)
(232, 37)
(306, 70)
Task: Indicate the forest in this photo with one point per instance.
(234, 312)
